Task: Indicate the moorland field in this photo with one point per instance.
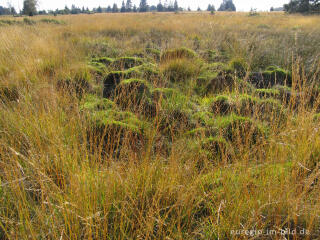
(159, 126)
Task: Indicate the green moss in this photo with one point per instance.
(316, 117)
(97, 68)
(94, 103)
(175, 113)
(112, 80)
(124, 63)
(104, 60)
(275, 75)
(133, 81)
(267, 93)
(177, 53)
(176, 101)
(125, 120)
(155, 53)
(196, 132)
(147, 70)
(203, 117)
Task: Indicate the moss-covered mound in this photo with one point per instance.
(216, 149)
(175, 112)
(135, 94)
(112, 132)
(174, 122)
(147, 71)
(267, 93)
(124, 63)
(224, 81)
(94, 103)
(154, 53)
(98, 69)
(222, 105)
(113, 79)
(104, 60)
(238, 129)
(271, 77)
(263, 109)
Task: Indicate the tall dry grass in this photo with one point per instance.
(52, 186)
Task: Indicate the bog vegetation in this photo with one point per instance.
(159, 126)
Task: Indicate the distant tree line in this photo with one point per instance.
(7, 11)
(143, 7)
(303, 6)
(30, 8)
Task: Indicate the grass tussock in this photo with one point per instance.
(110, 129)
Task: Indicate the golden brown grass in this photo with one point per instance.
(53, 187)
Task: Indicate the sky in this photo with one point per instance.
(242, 5)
